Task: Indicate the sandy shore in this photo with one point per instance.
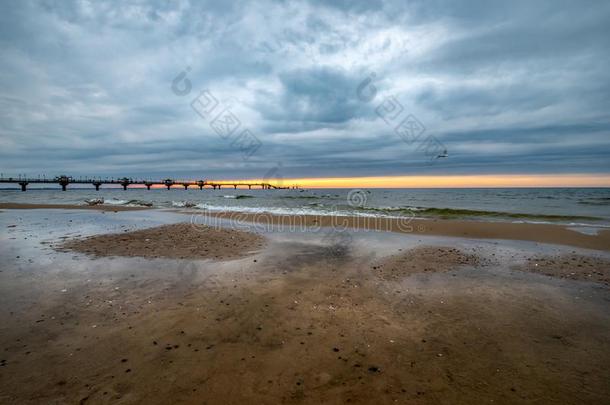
(373, 318)
(542, 233)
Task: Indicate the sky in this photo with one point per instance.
(307, 89)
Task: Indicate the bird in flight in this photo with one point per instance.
(442, 155)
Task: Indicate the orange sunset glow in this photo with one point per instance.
(457, 181)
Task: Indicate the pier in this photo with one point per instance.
(125, 182)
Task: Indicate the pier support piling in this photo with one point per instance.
(63, 181)
(23, 185)
(125, 182)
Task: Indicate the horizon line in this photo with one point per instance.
(450, 181)
(576, 180)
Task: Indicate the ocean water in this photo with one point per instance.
(573, 206)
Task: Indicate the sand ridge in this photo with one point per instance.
(570, 266)
(541, 233)
(175, 241)
(425, 259)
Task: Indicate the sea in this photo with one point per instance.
(568, 206)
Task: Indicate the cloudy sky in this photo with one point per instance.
(115, 88)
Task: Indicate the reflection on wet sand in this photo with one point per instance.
(369, 318)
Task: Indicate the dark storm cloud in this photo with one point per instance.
(320, 95)
(85, 87)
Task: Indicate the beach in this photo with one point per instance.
(304, 203)
(128, 307)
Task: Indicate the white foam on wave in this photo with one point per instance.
(588, 225)
(576, 226)
(183, 204)
(586, 231)
(291, 211)
(115, 201)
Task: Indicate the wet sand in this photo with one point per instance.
(542, 233)
(365, 318)
(97, 207)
